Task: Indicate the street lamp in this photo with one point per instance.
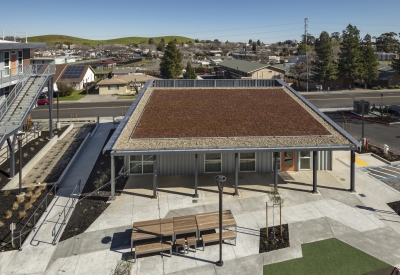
(220, 181)
(20, 136)
(362, 125)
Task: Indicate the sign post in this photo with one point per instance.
(12, 228)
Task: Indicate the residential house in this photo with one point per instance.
(382, 56)
(124, 84)
(241, 69)
(75, 75)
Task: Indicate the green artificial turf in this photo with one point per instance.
(327, 257)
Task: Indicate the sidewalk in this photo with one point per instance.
(38, 247)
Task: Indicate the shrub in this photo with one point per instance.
(33, 199)
(8, 214)
(65, 89)
(1, 224)
(42, 186)
(20, 199)
(38, 192)
(15, 206)
(28, 194)
(30, 187)
(28, 206)
(21, 214)
(6, 193)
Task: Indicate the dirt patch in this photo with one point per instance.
(395, 206)
(13, 212)
(274, 240)
(92, 205)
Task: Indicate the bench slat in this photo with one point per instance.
(215, 236)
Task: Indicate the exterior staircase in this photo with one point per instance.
(16, 107)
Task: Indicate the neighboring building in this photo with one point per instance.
(124, 71)
(105, 64)
(75, 75)
(124, 84)
(225, 127)
(55, 60)
(296, 59)
(382, 56)
(14, 59)
(239, 69)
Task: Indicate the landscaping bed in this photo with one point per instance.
(90, 208)
(29, 150)
(274, 240)
(395, 206)
(19, 212)
(379, 152)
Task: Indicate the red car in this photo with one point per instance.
(43, 101)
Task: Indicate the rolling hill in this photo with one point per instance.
(53, 39)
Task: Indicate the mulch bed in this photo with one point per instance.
(274, 240)
(29, 150)
(395, 206)
(90, 208)
(8, 198)
(379, 152)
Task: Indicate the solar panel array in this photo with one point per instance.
(73, 72)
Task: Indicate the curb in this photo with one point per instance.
(74, 158)
(381, 159)
(95, 129)
(28, 167)
(66, 131)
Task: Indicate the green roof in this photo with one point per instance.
(243, 66)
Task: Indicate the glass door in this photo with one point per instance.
(288, 161)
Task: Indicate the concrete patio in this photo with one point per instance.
(366, 223)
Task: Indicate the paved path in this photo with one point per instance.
(37, 250)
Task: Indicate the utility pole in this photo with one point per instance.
(305, 41)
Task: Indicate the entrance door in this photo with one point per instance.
(288, 161)
(13, 71)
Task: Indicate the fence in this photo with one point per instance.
(223, 83)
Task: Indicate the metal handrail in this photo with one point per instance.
(34, 217)
(66, 213)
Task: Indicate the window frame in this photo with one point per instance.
(142, 162)
(212, 161)
(307, 157)
(255, 163)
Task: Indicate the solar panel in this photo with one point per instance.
(73, 72)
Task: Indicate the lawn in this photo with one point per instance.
(77, 94)
(330, 256)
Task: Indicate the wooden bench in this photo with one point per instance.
(214, 237)
(153, 247)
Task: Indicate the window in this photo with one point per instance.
(113, 87)
(6, 63)
(141, 164)
(247, 162)
(20, 62)
(305, 160)
(212, 163)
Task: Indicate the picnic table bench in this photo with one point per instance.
(153, 247)
(226, 235)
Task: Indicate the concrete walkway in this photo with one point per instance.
(38, 248)
(365, 222)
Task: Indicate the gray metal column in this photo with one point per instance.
(11, 146)
(236, 174)
(50, 91)
(155, 177)
(196, 174)
(352, 167)
(315, 168)
(276, 156)
(112, 197)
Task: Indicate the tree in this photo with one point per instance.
(258, 42)
(350, 63)
(171, 64)
(151, 41)
(190, 72)
(254, 47)
(297, 70)
(301, 49)
(324, 68)
(387, 42)
(310, 39)
(369, 61)
(250, 42)
(335, 36)
(396, 65)
(65, 89)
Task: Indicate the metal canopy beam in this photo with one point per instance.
(315, 168)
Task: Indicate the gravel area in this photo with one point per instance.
(125, 142)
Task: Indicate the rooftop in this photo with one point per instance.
(241, 65)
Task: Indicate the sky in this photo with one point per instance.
(234, 21)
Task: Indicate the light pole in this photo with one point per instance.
(362, 125)
(381, 105)
(20, 136)
(57, 104)
(220, 181)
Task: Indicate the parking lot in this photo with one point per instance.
(389, 174)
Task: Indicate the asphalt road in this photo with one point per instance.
(83, 110)
(378, 134)
(346, 98)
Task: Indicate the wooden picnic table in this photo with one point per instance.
(185, 224)
(210, 220)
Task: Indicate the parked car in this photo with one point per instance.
(43, 101)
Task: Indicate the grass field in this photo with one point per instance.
(328, 257)
(77, 94)
(53, 39)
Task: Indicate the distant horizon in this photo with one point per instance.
(207, 20)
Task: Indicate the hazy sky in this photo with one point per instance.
(269, 21)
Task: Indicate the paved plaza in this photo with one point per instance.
(360, 219)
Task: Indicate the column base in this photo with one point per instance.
(196, 196)
(219, 263)
(154, 197)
